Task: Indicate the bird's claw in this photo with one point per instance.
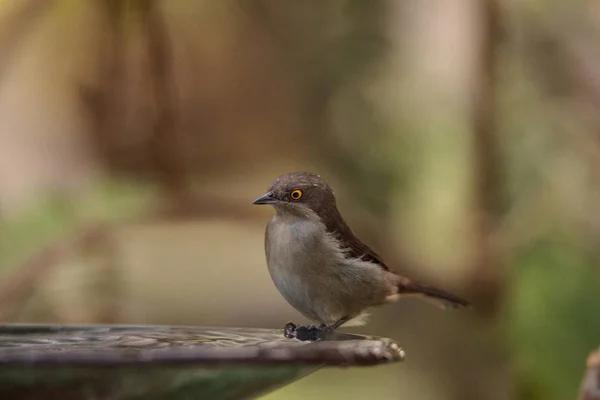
(289, 330)
(304, 332)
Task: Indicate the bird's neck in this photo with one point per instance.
(330, 218)
(295, 214)
(333, 221)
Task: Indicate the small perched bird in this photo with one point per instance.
(320, 267)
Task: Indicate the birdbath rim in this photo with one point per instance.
(97, 345)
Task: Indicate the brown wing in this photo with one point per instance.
(354, 247)
(357, 249)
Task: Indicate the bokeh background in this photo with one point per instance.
(462, 139)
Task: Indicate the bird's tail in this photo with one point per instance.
(431, 294)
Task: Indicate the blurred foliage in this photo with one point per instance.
(554, 316)
(54, 217)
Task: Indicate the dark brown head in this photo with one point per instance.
(297, 191)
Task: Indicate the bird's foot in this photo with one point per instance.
(289, 330)
(304, 332)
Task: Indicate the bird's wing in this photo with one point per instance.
(355, 248)
(358, 249)
(352, 245)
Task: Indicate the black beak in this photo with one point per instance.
(266, 198)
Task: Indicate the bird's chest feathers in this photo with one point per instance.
(295, 244)
(300, 260)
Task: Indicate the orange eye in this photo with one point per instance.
(296, 194)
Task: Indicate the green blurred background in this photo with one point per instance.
(462, 139)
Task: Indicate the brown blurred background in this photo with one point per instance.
(462, 139)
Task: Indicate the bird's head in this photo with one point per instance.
(298, 192)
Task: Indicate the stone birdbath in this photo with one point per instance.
(163, 362)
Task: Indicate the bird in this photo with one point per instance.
(321, 267)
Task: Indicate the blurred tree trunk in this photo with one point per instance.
(15, 26)
(165, 143)
(102, 100)
(488, 278)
